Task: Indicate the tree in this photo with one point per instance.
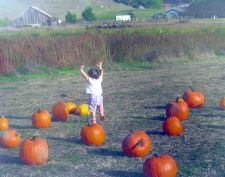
(88, 15)
(70, 18)
(131, 15)
(4, 22)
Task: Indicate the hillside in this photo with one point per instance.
(207, 9)
(177, 1)
(14, 8)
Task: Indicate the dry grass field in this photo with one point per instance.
(134, 99)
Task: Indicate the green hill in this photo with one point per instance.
(13, 8)
(207, 9)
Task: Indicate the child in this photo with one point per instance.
(94, 79)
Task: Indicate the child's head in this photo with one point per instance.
(94, 73)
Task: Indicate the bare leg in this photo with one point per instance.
(93, 115)
(101, 111)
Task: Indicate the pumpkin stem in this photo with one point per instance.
(34, 138)
(154, 154)
(191, 88)
(139, 143)
(178, 97)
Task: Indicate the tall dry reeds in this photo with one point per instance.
(119, 45)
(6, 67)
(58, 51)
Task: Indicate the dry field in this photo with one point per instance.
(134, 99)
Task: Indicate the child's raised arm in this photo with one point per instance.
(99, 65)
(83, 73)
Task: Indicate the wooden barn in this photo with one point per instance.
(35, 17)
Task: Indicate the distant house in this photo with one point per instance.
(175, 12)
(123, 18)
(35, 17)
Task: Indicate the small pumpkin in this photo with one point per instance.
(178, 108)
(160, 166)
(193, 98)
(222, 103)
(60, 111)
(83, 110)
(10, 139)
(34, 151)
(93, 134)
(4, 124)
(41, 119)
(172, 126)
(136, 144)
(71, 107)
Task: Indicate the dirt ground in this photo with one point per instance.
(133, 100)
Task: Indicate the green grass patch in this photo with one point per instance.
(147, 12)
(9, 88)
(73, 157)
(106, 15)
(132, 66)
(38, 72)
(42, 32)
(49, 73)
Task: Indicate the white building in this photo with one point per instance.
(123, 18)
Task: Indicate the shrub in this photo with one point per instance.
(70, 18)
(88, 15)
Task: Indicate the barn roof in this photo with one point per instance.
(179, 10)
(43, 12)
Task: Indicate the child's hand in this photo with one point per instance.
(99, 64)
(81, 67)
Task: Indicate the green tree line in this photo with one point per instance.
(145, 3)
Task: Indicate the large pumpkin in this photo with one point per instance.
(34, 151)
(10, 139)
(136, 144)
(172, 126)
(83, 110)
(194, 99)
(71, 107)
(60, 111)
(178, 108)
(160, 166)
(4, 124)
(93, 134)
(222, 103)
(41, 119)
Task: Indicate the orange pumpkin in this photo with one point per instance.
(93, 134)
(160, 166)
(10, 139)
(4, 124)
(82, 110)
(136, 144)
(178, 108)
(60, 111)
(222, 102)
(71, 107)
(172, 126)
(194, 99)
(34, 151)
(41, 119)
